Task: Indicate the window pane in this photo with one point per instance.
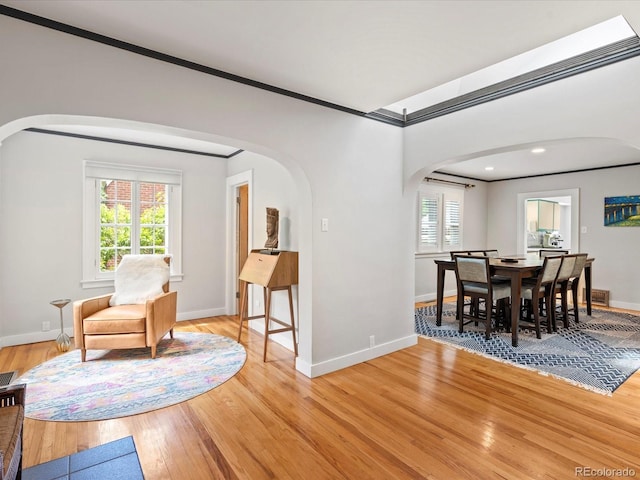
(153, 217)
(115, 222)
(159, 235)
(429, 221)
(107, 237)
(107, 259)
(452, 223)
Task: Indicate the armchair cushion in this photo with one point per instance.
(118, 319)
(139, 278)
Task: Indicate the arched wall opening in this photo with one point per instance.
(302, 203)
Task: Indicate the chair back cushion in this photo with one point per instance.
(139, 278)
(550, 269)
(472, 269)
(566, 268)
(581, 260)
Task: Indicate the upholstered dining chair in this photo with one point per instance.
(567, 281)
(473, 276)
(560, 290)
(541, 290)
(138, 314)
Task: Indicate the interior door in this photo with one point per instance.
(242, 235)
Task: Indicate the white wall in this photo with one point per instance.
(41, 193)
(348, 169)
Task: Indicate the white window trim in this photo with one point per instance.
(443, 193)
(92, 172)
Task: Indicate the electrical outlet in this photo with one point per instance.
(46, 326)
(372, 341)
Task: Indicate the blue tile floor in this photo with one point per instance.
(112, 461)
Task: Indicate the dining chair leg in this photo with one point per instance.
(564, 307)
(574, 295)
(487, 322)
(536, 320)
(550, 312)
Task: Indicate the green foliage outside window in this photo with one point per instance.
(115, 232)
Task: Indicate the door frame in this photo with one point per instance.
(232, 271)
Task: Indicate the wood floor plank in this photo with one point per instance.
(429, 411)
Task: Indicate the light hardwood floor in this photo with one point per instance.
(429, 411)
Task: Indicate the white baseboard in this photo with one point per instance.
(354, 358)
(431, 297)
(35, 337)
(197, 314)
(625, 305)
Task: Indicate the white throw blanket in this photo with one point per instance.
(139, 278)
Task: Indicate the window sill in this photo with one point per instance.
(108, 282)
(433, 255)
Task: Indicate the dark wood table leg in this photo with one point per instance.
(439, 294)
(587, 284)
(516, 295)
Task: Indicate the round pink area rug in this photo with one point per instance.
(118, 383)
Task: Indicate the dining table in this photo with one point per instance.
(515, 267)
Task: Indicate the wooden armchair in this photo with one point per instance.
(140, 312)
(12, 400)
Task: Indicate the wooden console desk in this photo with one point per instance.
(273, 270)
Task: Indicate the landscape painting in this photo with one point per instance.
(622, 211)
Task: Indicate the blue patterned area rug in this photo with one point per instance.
(598, 354)
(118, 383)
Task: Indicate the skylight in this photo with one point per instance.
(598, 36)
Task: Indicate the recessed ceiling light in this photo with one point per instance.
(538, 150)
(488, 169)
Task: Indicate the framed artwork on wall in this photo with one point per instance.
(622, 211)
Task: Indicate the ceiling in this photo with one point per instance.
(362, 55)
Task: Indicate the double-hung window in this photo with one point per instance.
(439, 218)
(129, 210)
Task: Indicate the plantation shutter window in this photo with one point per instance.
(439, 219)
(429, 221)
(452, 224)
